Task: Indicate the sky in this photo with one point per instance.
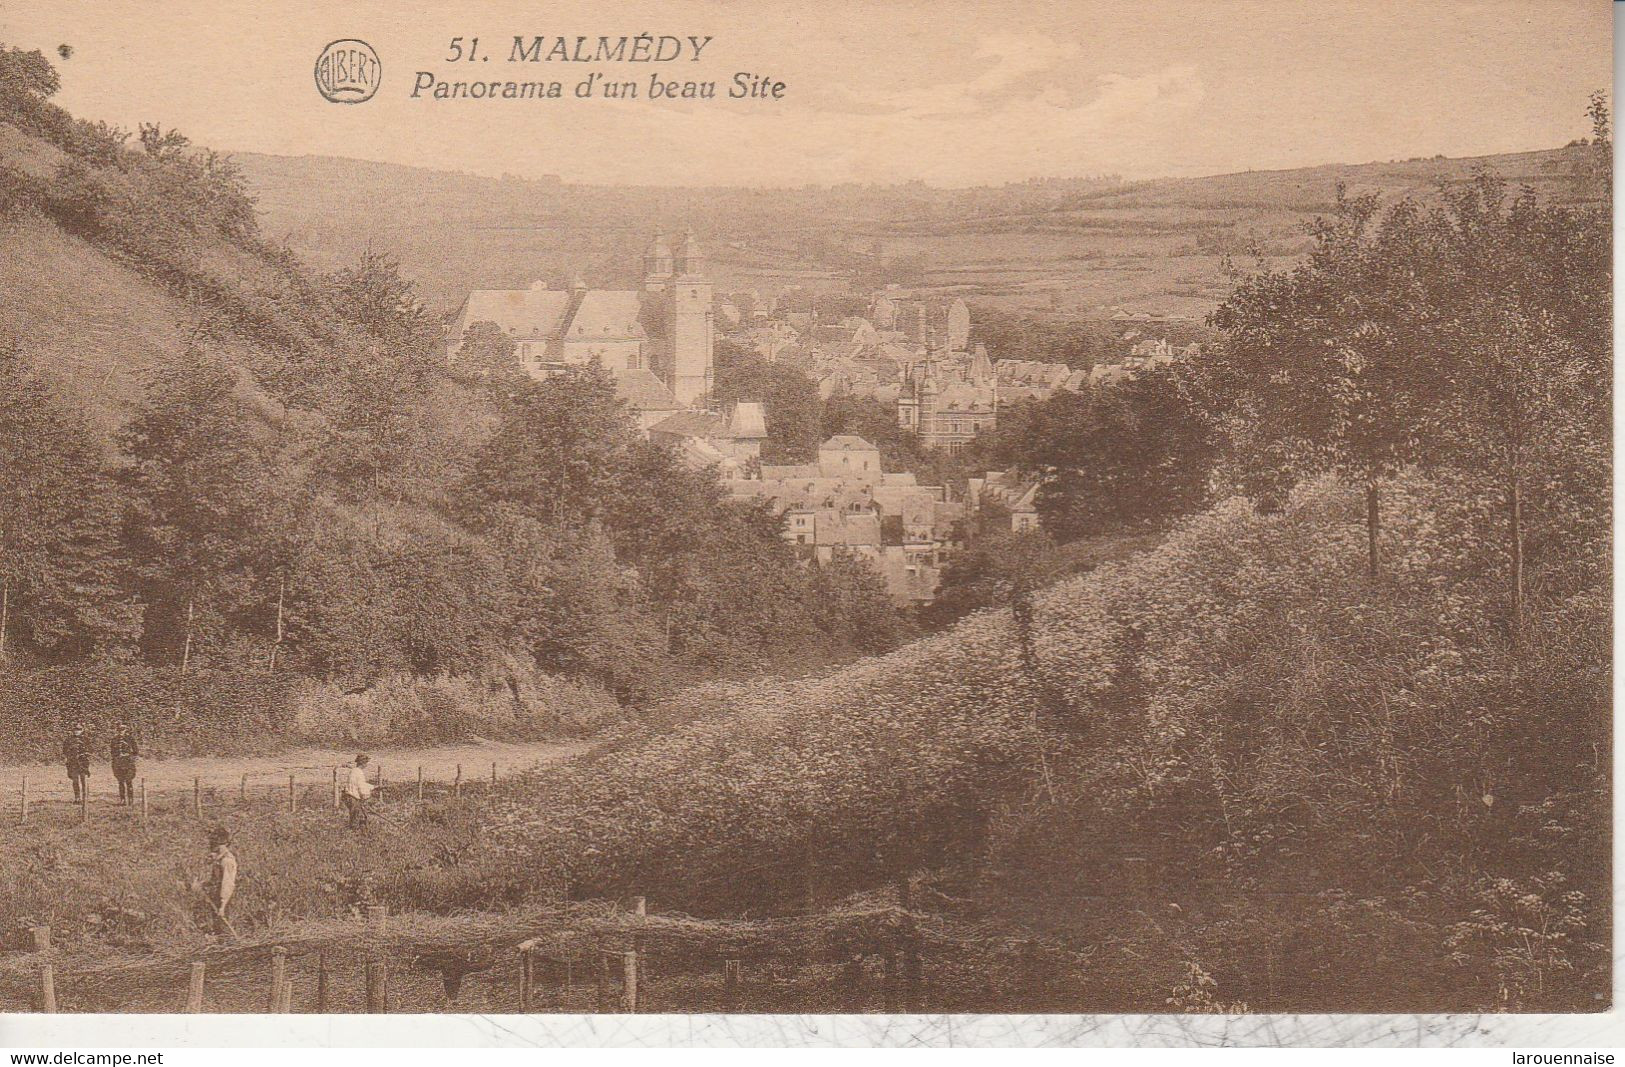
(950, 92)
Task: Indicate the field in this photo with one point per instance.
(1072, 249)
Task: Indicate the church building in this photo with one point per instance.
(657, 340)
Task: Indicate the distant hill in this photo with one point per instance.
(1074, 248)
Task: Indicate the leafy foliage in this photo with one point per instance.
(789, 397)
(1132, 454)
(63, 578)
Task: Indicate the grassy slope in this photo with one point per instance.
(93, 321)
(1264, 774)
(94, 325)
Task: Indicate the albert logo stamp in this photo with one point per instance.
(348, 72)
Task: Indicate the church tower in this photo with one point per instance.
(690, 323)
(657, 265)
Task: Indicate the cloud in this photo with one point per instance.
(1015, 58)
(1001, 123)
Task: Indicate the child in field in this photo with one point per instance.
(222, 877)
(356, 791)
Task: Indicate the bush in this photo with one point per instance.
(1239, 724)
(220, 712)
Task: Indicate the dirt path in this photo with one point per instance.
(309, 766)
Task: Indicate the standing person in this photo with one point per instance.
(124, 751)
(356, 791)
(76, 754)
(222, 878)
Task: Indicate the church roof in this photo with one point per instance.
(580, 314)
(606, 313)
(534, 312)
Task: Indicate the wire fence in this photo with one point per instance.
(295, 791)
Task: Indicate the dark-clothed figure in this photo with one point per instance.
(124, 751)
(76, 754)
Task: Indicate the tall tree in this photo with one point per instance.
(789, 399)
(489, 353)
(557, 454)
(1472, 333)
(1128, 454)
(63, 576)
(1526, 335)
(1325, 363)
(376, 441)
(203, 486)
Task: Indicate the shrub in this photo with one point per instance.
(1239, 720)
(240, 711)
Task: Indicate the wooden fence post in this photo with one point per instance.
(894, 984)
(47, 988)
(629, 981)
(903, 963)
(732, 979)
(25, 801)
(194, 994)
(197, 796)
(526, 977)
(378, 782)
(335, 787)
(420, 783)
(321, 983)
(912, 971)
(279, 970)
(293, 800)
(242, 790)
(143, 799)
(457, 783)
(493, 774)
(603, 979)
(285, 1001)
(377, 987)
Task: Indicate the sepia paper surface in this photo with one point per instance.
(838, 524)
